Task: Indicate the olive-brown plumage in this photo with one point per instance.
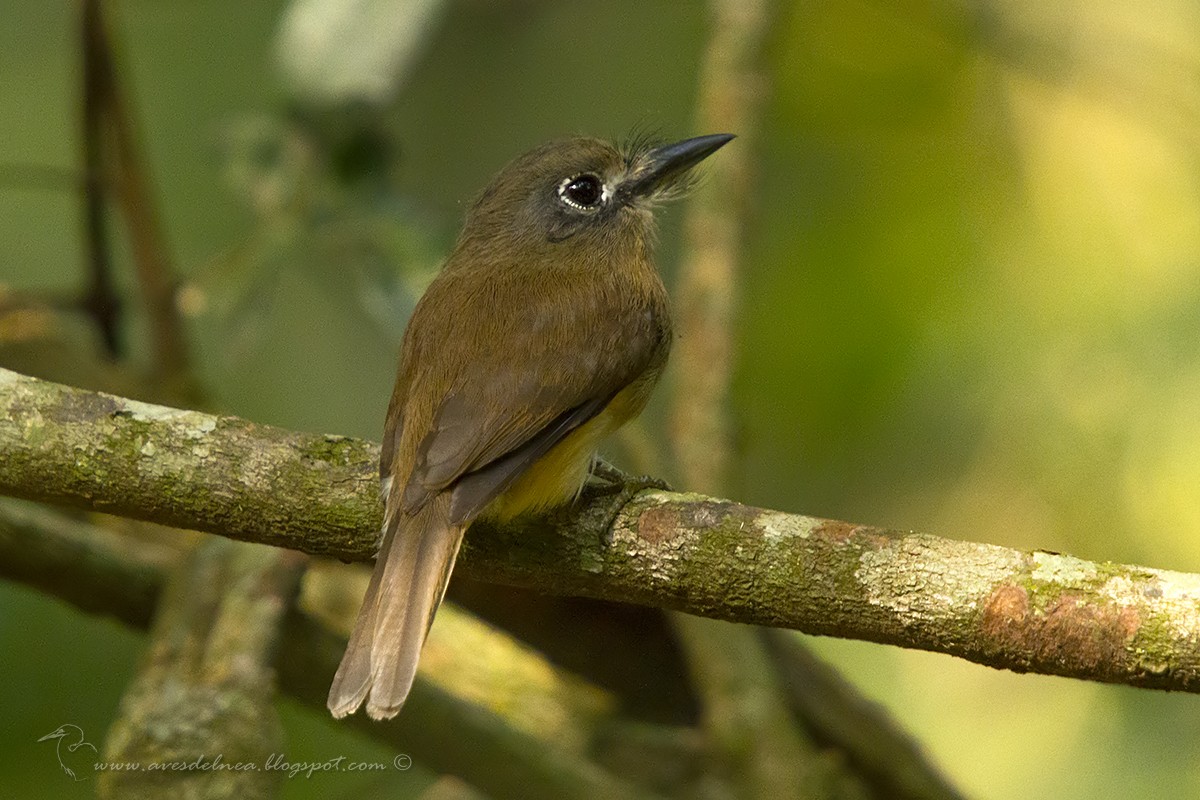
(545, 331)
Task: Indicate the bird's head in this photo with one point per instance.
(570, 196)
(60, 732)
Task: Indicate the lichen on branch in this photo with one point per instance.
(1020, 610)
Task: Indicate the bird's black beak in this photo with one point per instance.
(662, 166)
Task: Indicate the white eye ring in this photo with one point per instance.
(565, 196)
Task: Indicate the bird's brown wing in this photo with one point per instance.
(475, 448)
(475, 489)
(512, 409)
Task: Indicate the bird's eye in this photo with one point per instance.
(584, 192)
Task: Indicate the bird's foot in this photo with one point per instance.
(608, 480)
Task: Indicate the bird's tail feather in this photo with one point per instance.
(406, 588)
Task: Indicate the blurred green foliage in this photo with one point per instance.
(971, 301)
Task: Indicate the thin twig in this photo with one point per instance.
(134, 198)
(100, 299)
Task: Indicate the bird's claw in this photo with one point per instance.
(611, 481)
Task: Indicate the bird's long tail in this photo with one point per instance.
(410, 577)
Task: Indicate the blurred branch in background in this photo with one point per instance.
(100, 299)
(732, 89)
(112, 170)
(114, 162)
(530, 740)
(752, 733)
(767, 746)
(207, 679)
(881, 755)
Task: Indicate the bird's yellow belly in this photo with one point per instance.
(556, 478)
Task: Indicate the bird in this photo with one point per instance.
(544, 331)
(60, 734)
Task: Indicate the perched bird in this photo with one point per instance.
(545, 331)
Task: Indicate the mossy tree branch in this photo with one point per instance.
(1019, 610)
